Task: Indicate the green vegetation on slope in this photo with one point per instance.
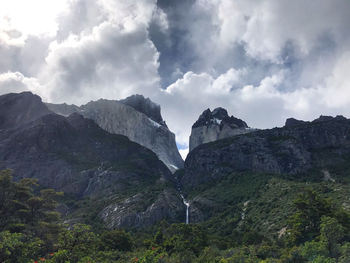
(251, 218)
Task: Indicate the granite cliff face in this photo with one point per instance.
(215, 125)
(293, 149)
(124, 215)
(73, 154)
(135, 117)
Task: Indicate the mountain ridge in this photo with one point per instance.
(215, 125)
(73, 154)
(119, 117)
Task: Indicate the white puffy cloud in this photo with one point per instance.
(99, 49)
(111, 56)
(265, 27)
(337, 92)
(109, 62)
(29, 17)
(16, 82)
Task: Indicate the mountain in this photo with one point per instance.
(215, 125)
(276, 195)
(12, 114)
(292, 149)
(258, 175)
(137, 118)
(73, 154)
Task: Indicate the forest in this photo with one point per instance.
(31, 230)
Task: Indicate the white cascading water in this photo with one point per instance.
(187, 204)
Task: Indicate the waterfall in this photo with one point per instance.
(187, 212)
(187, 204)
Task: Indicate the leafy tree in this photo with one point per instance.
(17, 248)
(21, 210)
(13, 199)
(209, 255)
(313, 249)
(116, 240)
(323, 259)
(305, 223)
(345, 253)
(77, 243)
(182, 237)
(331, 234)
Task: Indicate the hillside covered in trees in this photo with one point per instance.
(317, 231)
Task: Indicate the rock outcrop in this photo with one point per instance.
(215, 125)
(73, 154)
(16, 110)
(293, 149)
(168, 204)
(135, 117)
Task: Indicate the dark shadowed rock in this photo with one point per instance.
(146, 106)
(293, 149)
(323, 118)
(290, 122)
(19, 109)
(73, 154)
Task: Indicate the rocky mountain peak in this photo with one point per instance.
(218, 116)
(293, 149)
(324, 118)
(215, 125)
(146, 106)
(17, 109)
(291, 122)
(219, 113)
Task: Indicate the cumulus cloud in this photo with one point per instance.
(110, 62)
(17, 82)
(101, 49)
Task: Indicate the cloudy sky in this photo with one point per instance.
(262, 60)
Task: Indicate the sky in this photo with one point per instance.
(264, 61)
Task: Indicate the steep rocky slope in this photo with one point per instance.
(74, 155)
(215, 125)
(135, 117)
(252, 179)
(293, 149)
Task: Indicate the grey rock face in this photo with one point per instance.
(119, 118)
(292, 149)
(215, 125)
(124, 215)
(76, 156)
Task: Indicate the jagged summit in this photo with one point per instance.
(215, 125)
(136, 117)
(146, 106)
(218, 116)
(75, 155)
(290, 122)
(293, 149)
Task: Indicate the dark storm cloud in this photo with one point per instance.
(176, 53)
